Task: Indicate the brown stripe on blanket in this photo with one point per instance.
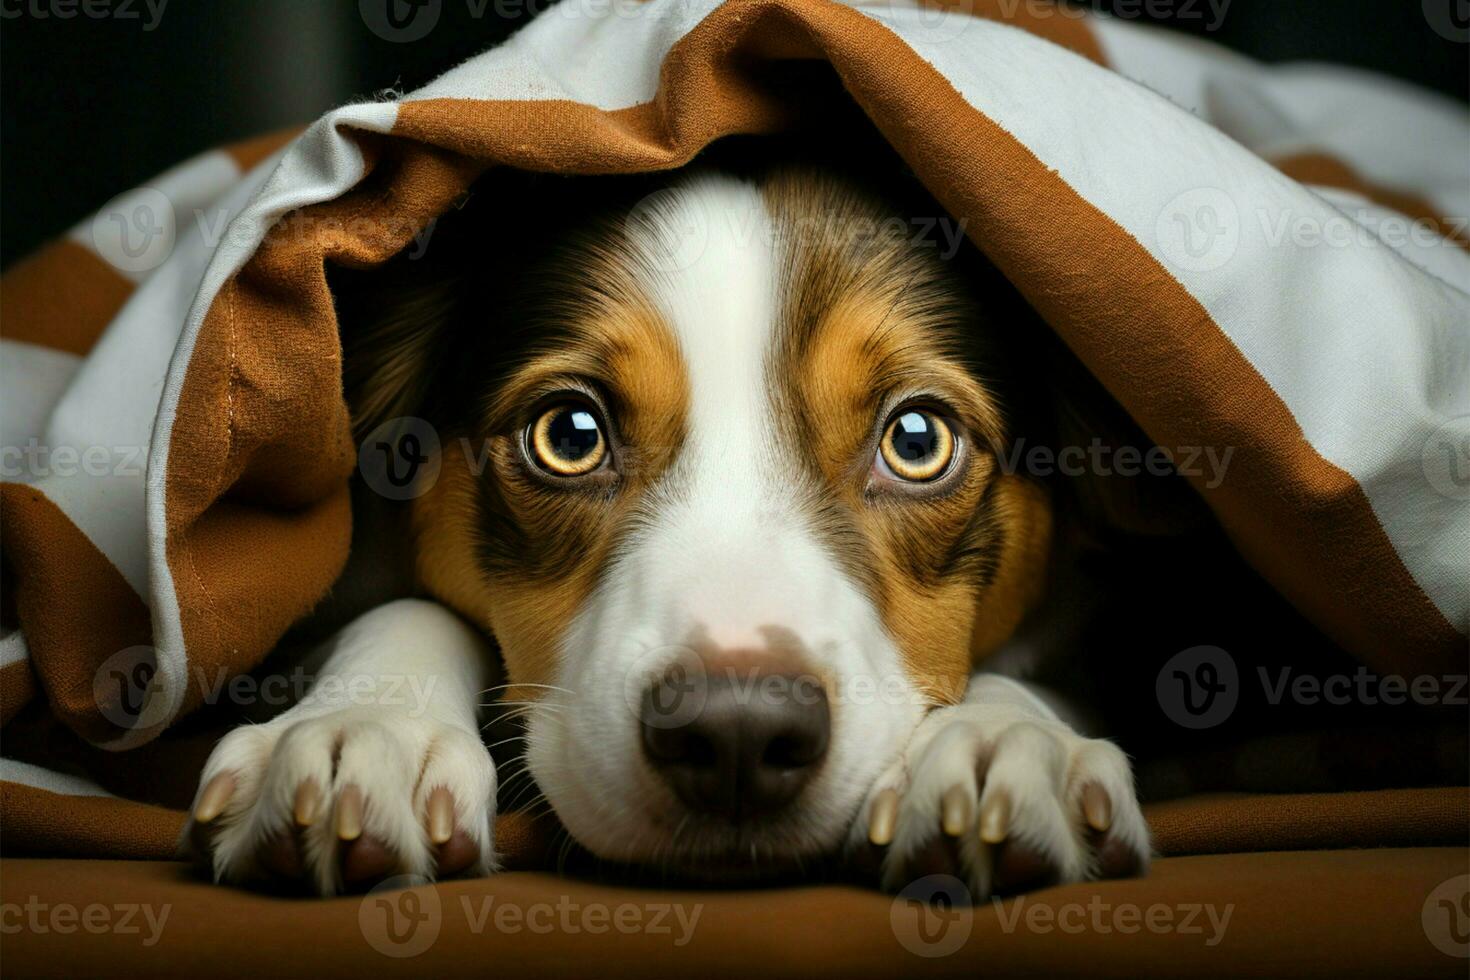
(1227, 822)
(258, 510)
(163, 772)
(244, 572)
(17, 687)
(704, 94)
(48, 824)
(708, 89)
(1325, 170)
(61, 297)
(73, 604)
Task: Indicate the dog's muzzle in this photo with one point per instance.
(738, 735)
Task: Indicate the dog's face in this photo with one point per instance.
(739, 518)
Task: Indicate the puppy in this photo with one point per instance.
(718, 484)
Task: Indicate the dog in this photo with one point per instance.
(730, 532)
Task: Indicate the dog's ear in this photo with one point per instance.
(394, 339)
(1103, 500)
(1054, 403)
(421, 331)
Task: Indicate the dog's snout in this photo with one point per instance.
(736, 738)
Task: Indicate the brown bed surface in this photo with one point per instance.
(1343, 884)
(1292, 913)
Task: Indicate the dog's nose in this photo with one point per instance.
(736, 738)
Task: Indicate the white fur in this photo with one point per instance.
(726, 550)
(397, 700)
(1004, 738)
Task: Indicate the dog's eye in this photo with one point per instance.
(917, 445)
(567, 440)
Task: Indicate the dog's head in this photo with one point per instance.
(721, 476)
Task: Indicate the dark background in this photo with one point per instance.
(90, 107)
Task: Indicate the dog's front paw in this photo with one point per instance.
(345, 799)
(1004, 803)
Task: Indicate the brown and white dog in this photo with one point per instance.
(737, 522)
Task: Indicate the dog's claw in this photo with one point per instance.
(1006, 803)
(441, 816)
(995, 816)
(883, 818)
(214, 798)
(1096, 807)
(308, 800)
(349, 813)
(955, 811)
(339, 800)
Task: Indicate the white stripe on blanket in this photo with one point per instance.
(14, 771)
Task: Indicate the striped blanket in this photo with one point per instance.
(1270, 261)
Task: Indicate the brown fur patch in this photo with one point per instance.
(518, 551)
(871, 321)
